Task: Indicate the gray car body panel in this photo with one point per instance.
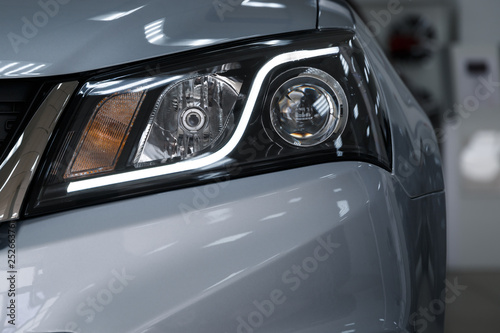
(76, 36)
(150, 265)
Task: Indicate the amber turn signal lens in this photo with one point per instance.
(107, 131)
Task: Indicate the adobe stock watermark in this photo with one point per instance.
(454, 117)
(223, 6)
(249, 150)
(31, 25)
(484, 90)
(421, 319)
(292, 280)
(408, 166)
(96, 304)
(378, 20)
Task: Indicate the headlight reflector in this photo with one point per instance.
(188, 117)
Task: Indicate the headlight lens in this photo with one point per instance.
(308, 107)
(184, 120)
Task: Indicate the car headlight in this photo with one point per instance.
(214, 114)
(308, 108)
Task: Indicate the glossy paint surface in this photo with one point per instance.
(55, 37)
(304, 250)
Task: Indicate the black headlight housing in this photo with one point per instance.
(324, 68)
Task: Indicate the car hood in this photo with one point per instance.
(55, 37)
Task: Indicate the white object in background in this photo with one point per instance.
(480, 159)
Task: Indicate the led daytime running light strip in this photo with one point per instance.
(204, 161)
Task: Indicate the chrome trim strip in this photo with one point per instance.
(218, 156)
(20, 165)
